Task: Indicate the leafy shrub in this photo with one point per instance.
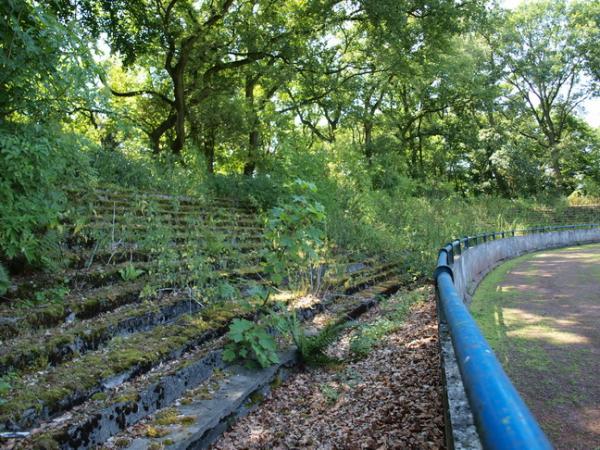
(252, 342)
(296, 231)
(139, 169)
(36, 163)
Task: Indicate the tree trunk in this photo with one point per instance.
(180, 107)
(555, 159)
(208, 149)
(368, 134)
(254, 134)
(156, 134)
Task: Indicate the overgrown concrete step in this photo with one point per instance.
(17, 318)
(190, 230)
(185, 199)
(85, 258)
(34, 349)
(370, 276)
(166, 203)
(125, 237)
(216, 215)
(387, 287)
(356, 271)
(100, 274)
(205, 416)
(179, 220)
(204, 413)
(43, 395)
(44, 348)
(341, 274)
(94, 276)
(95, 421)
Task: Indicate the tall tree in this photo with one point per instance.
(548, 76)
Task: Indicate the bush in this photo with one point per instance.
(37, 163)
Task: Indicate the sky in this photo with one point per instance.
(590, 109)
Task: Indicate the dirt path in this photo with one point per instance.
(541, 313)
(392, 399)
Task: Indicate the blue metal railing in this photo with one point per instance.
(503, 420)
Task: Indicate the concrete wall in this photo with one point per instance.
(469, 269)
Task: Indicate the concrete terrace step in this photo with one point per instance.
(19, 318)
(203, 414)
(369, 279)
(46, 347)
(165, 204)
(132, 207)
(344, 274)
(366, 275)
(44, 394)
(227, 218)
(99, 274)
(83, 259)
(43, 348)
(191, 230)
(16, 319)
(185, 199)
(202, 393)
(125, 236)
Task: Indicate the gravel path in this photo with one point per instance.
(392, 399)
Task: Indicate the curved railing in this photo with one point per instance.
(502, 419)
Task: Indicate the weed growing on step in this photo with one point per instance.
(296, 232)
(130, 273)
(330, 393)
(252, 343)
(6, 382)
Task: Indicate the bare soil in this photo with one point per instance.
(546, 328)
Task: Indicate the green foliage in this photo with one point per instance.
(35, 163)
(4, 280)
(135, 168)
(296, 233)
(330, 393)
(130, 272)
(51, 295)
(6, 383)
(312, 349)
(45, 64)
(252, 342)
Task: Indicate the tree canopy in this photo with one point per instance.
(463, 92)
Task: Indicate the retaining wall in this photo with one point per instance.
(470, 267)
